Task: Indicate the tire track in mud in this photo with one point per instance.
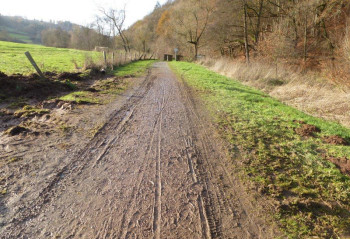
(206, 231)
(105, 150)
(79, 161)
(211, 223)
(127, 216)
(216, 204)
(157, 211)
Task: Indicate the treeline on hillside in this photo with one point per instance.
(83, 38)
(21, 30)
(62, 34)
(311, 33)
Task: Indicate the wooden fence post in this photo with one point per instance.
(105, 58)
(112, 61)
(30, 58)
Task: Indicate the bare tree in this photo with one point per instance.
(117, 19)
(194, 23)
(258, 14)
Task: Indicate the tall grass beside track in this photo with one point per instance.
(13, 60)
(310, 92)
(310, 194)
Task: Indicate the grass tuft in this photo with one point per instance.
(81, 97)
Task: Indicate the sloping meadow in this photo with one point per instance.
(13, 60)
(301, 163)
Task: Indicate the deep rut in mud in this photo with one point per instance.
(153, 171)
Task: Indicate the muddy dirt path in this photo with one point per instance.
(155, 170)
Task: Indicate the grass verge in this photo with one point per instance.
(311, 194)
(133, 69)
(311, 92)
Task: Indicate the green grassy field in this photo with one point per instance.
(13, 60)
(311, 195)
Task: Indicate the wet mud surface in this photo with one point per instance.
(154, 169)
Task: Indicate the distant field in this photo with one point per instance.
(22, 37)
(17, 35)
(13, 60)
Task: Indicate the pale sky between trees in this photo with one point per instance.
(77, 11)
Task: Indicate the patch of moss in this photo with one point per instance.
(70, 85)
(81, 97)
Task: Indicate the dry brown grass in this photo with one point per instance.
(310, 92)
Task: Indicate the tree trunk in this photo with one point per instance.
(305, 36)
(196, 50)
(257, 33)
(246, 44)
(296, 38)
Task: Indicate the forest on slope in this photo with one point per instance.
(308, 34)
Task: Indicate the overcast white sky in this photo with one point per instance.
(77, 11)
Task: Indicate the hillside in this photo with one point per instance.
(21, 30)
(308, 35)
